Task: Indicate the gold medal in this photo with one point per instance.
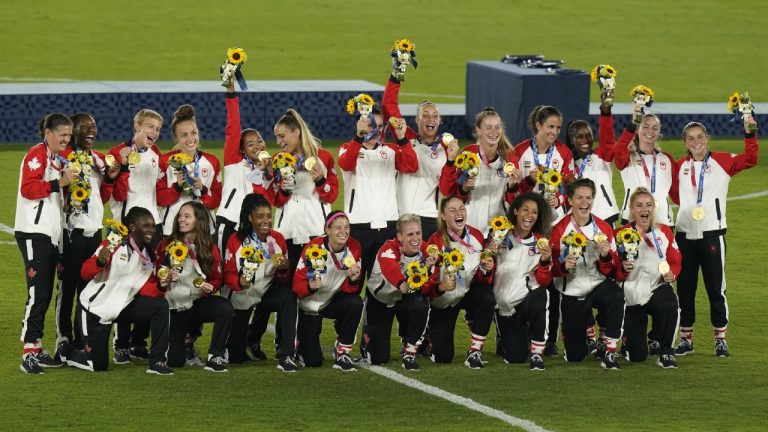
(110, 160)
(486, 254)
(198, 281)
(448, 138)
(542, 242)
(75, 167)
(349, 261)
(276, 258)
(600, 237)
(310, 163)
(134, 158)
(664, 267)
(263, 156)
(509, 168)
(432, 250)
(393, 121)
(163, 272)
(698, 213)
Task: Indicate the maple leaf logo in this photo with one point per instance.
(388, 254)
(342, 151)
(31, 272)
(33, 164)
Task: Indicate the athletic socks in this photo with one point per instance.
(687, 333)
(537, 347)
(719, 332)
(476, 343)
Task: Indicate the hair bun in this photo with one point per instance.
(489, 109)
(184, 112)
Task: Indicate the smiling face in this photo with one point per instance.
(147, 132)
(428, 121)
(261, 221)
(410, 238)
(338, 233)
(86, 132)
(58, 138)
(581, 203)
(143, 229)
(489, 134)
(642, 208)
(253, 144)
(549, 130)
(186, 219)
(525, 217)
(582, 140)
(288, 140)
(454, 215)
(649, 132)
(697, 142)
(187, 136)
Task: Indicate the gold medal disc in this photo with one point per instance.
(198, 281)
(698, 213)
(509, 168)
(447, 138)
(542, 242)
(664, 267)
(310, 163)
(432, 250)
(162, 272)
(134, 158)
(110, 160)
(349, 261)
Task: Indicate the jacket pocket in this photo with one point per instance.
(605, 194)
(352, 201)
(229, 200)
(96, 294)
(39, 211)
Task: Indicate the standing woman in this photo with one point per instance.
(190, 295)
(244, 172)
(641, 162)
(303, 202)
(523, 273)
(488, 193)
(332, 293)
(82, 235)
(468, 289)
(42, 176)
(201, 180)
(646, 281)
(268, 290)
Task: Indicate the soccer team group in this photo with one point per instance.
(520, 237)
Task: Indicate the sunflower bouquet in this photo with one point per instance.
(179, 162)
(642, 96)
(452, 262)
(741, 107)
(403, 53)
(628, 243)
(116, 230)
(80, 162)
(469, 164)
(416, 275)
(574, 242)
(284, 166)
(176, 253)
(549, 181)
(362, 103)
(79, 195)
(500, 226)
(230, 70)
(314, 260)
(250, 261)
(605, 77)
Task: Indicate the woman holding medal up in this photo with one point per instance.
(704, 177)
(327, 283)
(646, 281)
(186, 173)
(495, 182)
(190, 258)
(465, 285)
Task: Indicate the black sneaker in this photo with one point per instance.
(286, 364)
(609, 361)
(122, 356)
(192, 356)
(62, 350)
(591, 346)
(45, 360)
(29, 365)
(721, 348)
(624, 352)
(344, 363)
(667, 361)
(474, 360)
(685, 347)
(215, 364)
(425, 349)
(654, 347)
(255, 353)
(409, 362)
(160, 368)
(79, 359)
(600, 350)
(139, 352)
(536, 362)
(550, 349)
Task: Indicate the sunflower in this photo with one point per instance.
(80, 193)
(364, 99)
(413, 267)
(71, 157)
(554, 178)
(351, 107)
(641, 89)
(417, 280)
(472, 159)
(258, 257)
(290, 160)
(236, 56)
(500, 223)
(177, 250)
(593, 74)
(459, 161)
(579, 240)
(733, 101)
(315, 252)
(608, 71)
(455, 258)
(82, 158)
(404, 45)
(247, 252)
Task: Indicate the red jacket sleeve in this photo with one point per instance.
(214, 276)
(120, 185)
(388, 257)
(606, 138)
(558, 267)
(90, 268)
(279, 198)
(348, 286)
(734, 163)
(283, 276)
(105, 188)
(435, 239)
(166, 195)
(300, 282)
(232, 154)
(567, 155)
(32, 173)
(391, 108)
(348, 153)
(608, 267)
(449, 181)
(406, 161)
(329, 189)
(231, 276)
(211, 198)
(151, 288)
(511, 194)
(621, 150)
(673, 255)
(674, 189)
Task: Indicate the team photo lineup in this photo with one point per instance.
(525, 238)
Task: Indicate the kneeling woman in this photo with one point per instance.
(195, 277)
(523, 272)
(646, 281)
(327, 282)
(465, 288)
(123, 289)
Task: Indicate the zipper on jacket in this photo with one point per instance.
(323, 210)
(527, 283)
(605, 194)
(96, 294)
(165, 216)
(351, 201)
(39, 211)
(280, 221)
(624, 207)
(719, 215)
(231, 195)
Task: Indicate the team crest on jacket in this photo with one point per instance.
(555, 163)
(205, 172)
(433, 155)
(383, 154)
(663, 165)
(708, 168)
(33, 164)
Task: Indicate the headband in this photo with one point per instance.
(334, 217)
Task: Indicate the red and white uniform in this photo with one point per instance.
(241, 176)
(637, 170)
(301, 214)
(645, 277)
(182, 293)
(490, 197)
(170, 196)
(38, 200)
(417, 192)
(267, 273)
(561, 160)
(470, 245)
(599, 168)
(370, 180)
(135, 185)
(334, 280)
(389, 272)
(590, 269)
(91, 221)
(718, 171)
(518, 272)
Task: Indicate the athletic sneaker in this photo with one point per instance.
(654, 347)
(721, 348)
(255, 353)
(79, 359)
(29, 365)
(45, 360)
(536, 362)
(286, 364)
(344, 363)
(550, 349)
(600, 350)
(409, 362)
(609, 361)
(623, 352)
(667, 361)
(122, 356)
(160, 368)
(685, 347)
(192, 356)
(139, 352)
(474, 360)
(62, 350)
(215, 364)
(591, 346)
(425, 348)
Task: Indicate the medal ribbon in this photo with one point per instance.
(535, 150)
(260, 246)
(700, 188)
(652, 175)
(465, 241)
(193, 257)
(655, 244)
(144, 259)
(582, 166)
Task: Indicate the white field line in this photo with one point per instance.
(30, 79)
(6, 229)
